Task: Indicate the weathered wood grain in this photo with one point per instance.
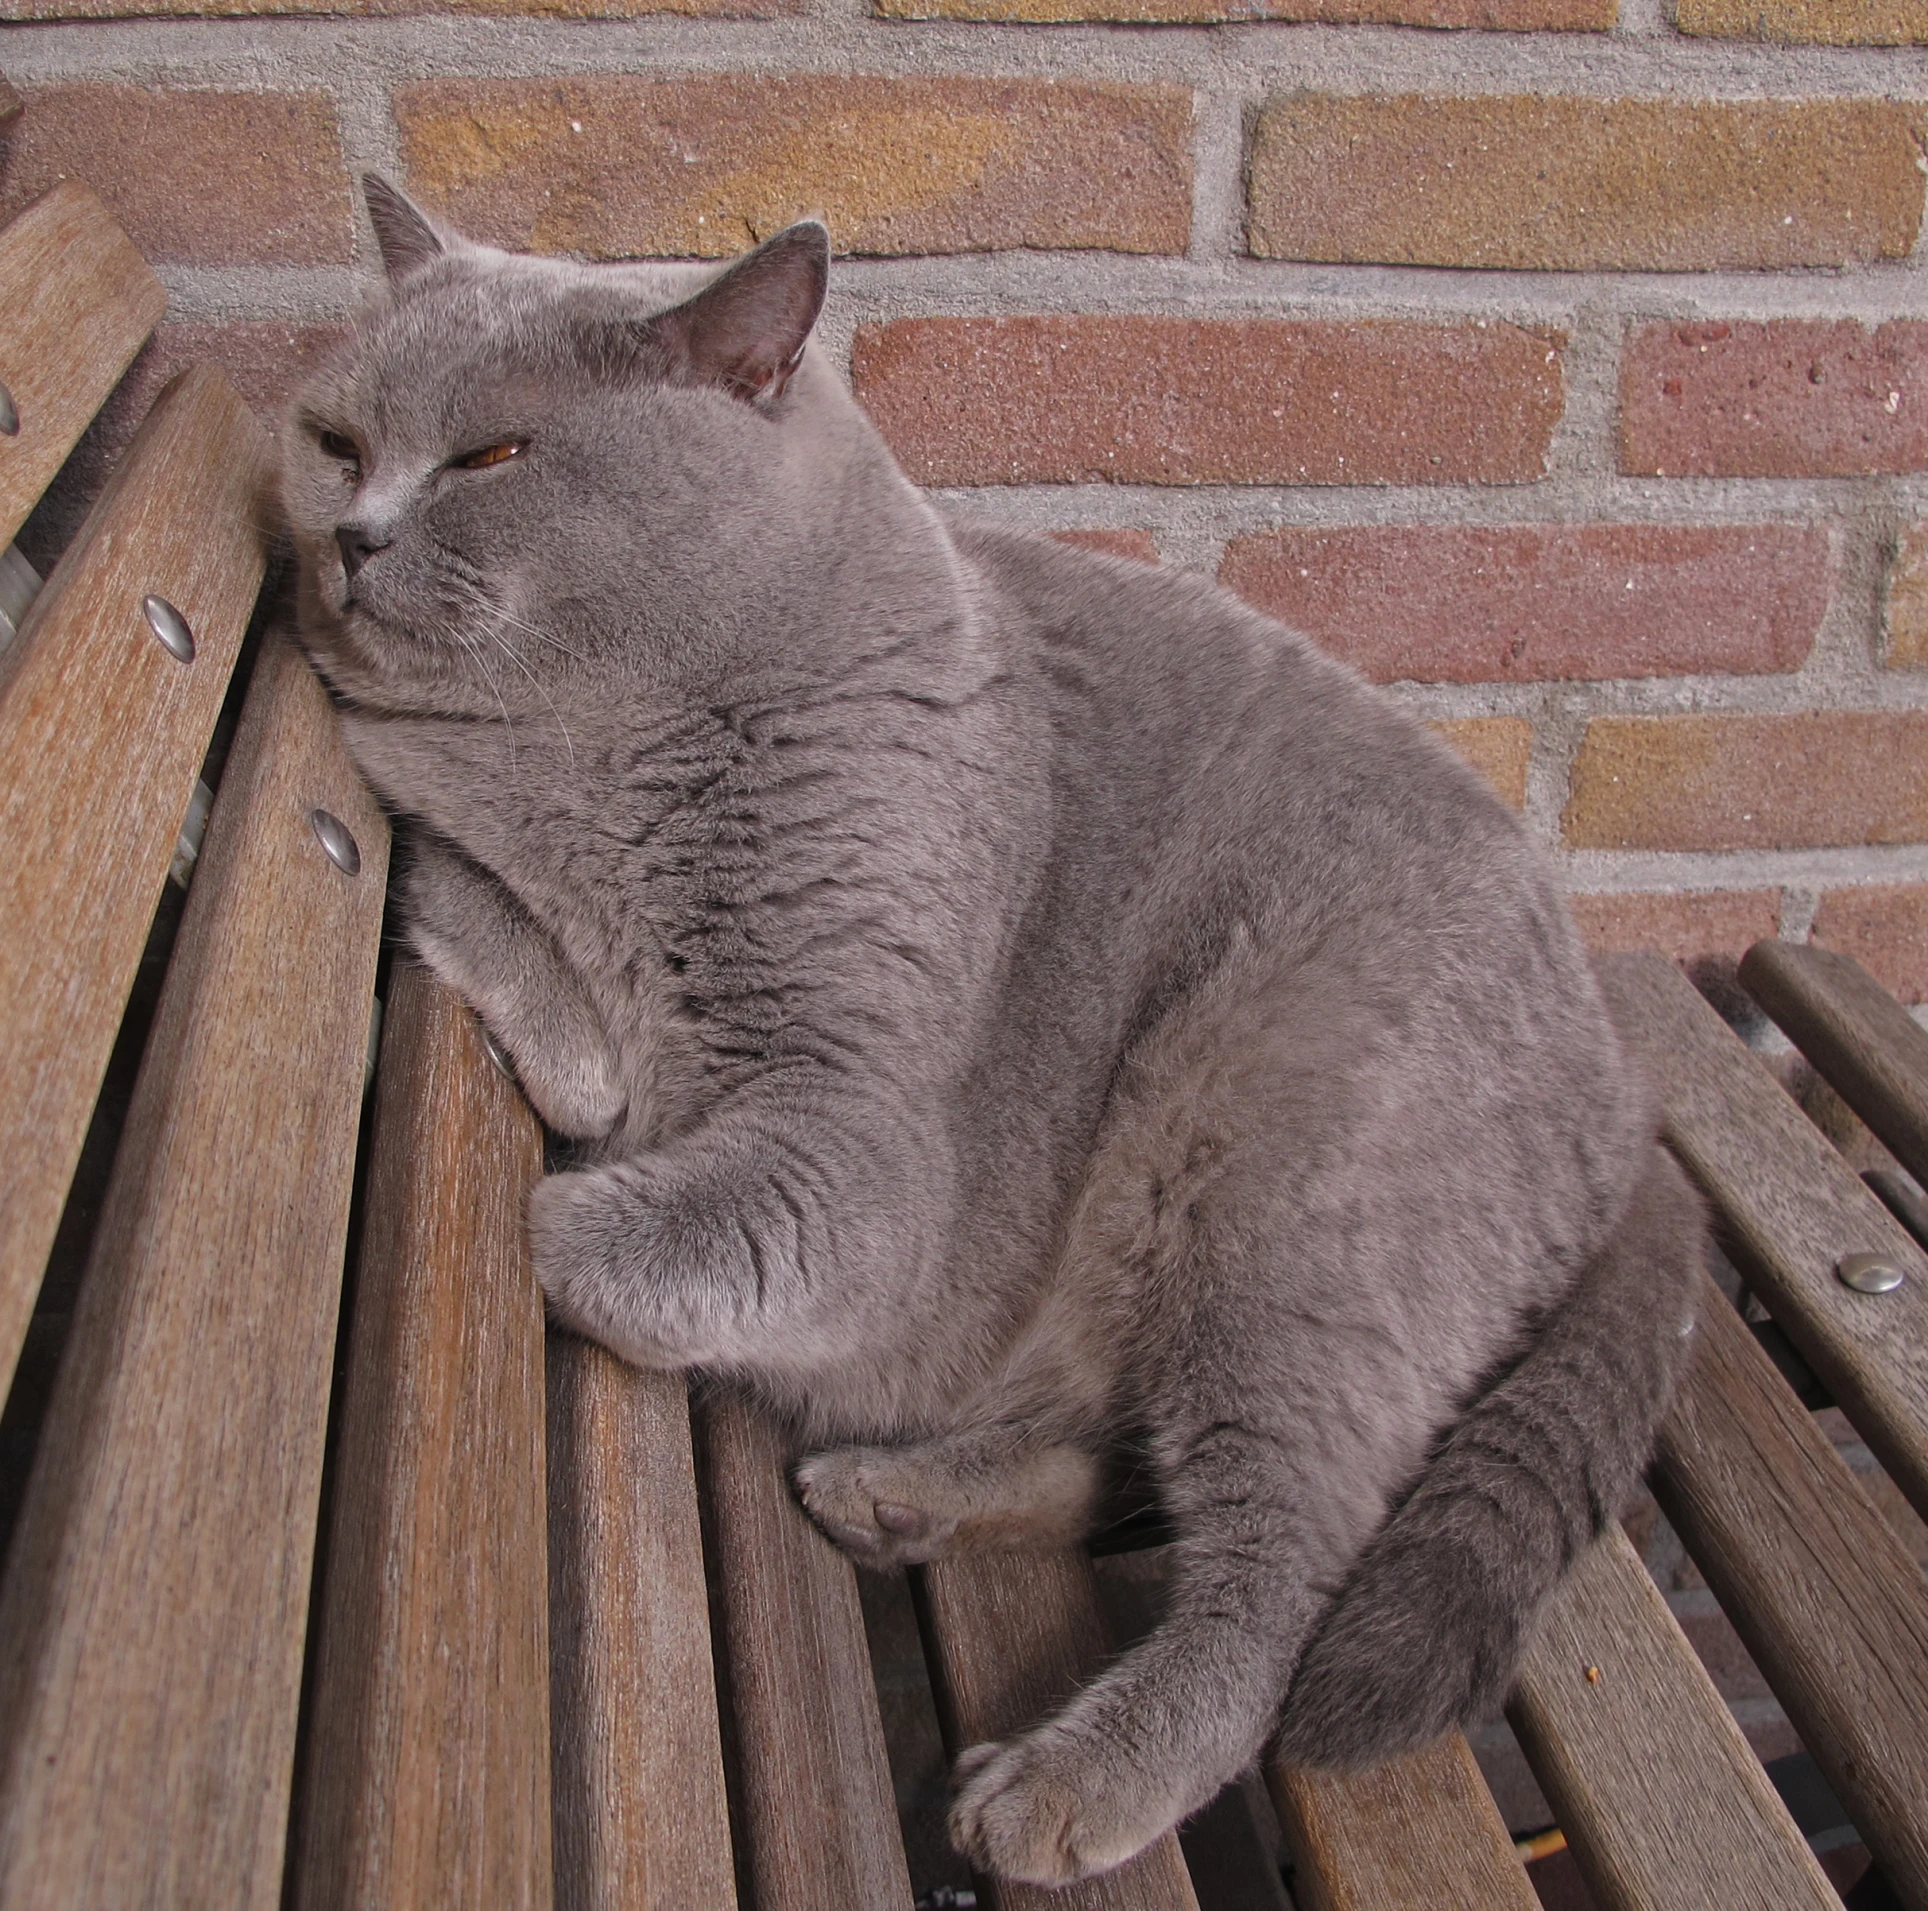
(1008, 1636)
(1790, 1208)
(156, 1599)
(76, 303)
(1420, 1833)
(9, 105)
(641, 1816)
(428, 1758)
(816, 1815)
(1658, 1792)
(101, 735)
(1873, 1051)
(1818, 1586)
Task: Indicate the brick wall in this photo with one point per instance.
(1563, 363)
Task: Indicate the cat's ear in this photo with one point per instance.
(409, 239)
(746, 330)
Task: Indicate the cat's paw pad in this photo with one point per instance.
(848, 1494)
(1049, 1809)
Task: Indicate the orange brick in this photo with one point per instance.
(1440, 603)
(1809, 22)
(1210, 401)
(1138, 544)
(1688, 925)
(1788, 398)
(196, 177)
(615, 166)
(1496, 15)
(1751, 782)
(1536, 183)
(1499, 748)
(1907, 602)
(1884, 926)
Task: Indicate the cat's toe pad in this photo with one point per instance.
(1043, 1809)
(848, 1494)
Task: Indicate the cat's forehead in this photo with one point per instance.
(482, 315)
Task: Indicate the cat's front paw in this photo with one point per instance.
(659, 1271)
(1053, 1806)
(874, 1506)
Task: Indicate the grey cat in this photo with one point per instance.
(1017, 1006)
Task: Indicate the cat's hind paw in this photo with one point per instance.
(1050, 1808)
(868, 1502)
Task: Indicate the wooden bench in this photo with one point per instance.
(334, 1584)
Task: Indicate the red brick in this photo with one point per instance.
(1499, 748)
(1809, 22)
(1884, 926)
(1751, 782)
(1473, 604)
(266, 361)
(1138, 544)
(616, 166)
(1532, 183)
(196, 177)
(1788, 398)
(1498, 15)
(1687, 925)
(1211, 401)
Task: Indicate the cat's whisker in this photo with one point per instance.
(502, 644)
(475, 651)
(548, 637)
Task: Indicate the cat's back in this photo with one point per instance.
(1182, 718)
(1255, 790)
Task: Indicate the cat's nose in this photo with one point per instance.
(358, 545)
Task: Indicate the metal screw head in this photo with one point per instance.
(170, 627)
(497, 1053)
(9, 415)
(1868, 1273)
(332, 833)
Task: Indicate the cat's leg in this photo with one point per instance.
(1282, 1411)
(480, 940)
(783, 1235)
(1000, 1488)
(1164, 1728)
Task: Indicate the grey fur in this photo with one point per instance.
(1011, 999)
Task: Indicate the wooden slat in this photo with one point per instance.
(1873, 1051)
(156, 1599)
(1817, 1584)
(1420, 1833)
(76, 303)
(428, 1755)
(1010, 1636)
(102, 733)
(640, 1812)
(1790, 1209)
(815, 1811)
(1663, 1801)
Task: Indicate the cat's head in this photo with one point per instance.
(584, 465)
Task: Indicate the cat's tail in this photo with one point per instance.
(1428, 1630)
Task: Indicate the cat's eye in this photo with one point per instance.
(487, 455)
(336, 445)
